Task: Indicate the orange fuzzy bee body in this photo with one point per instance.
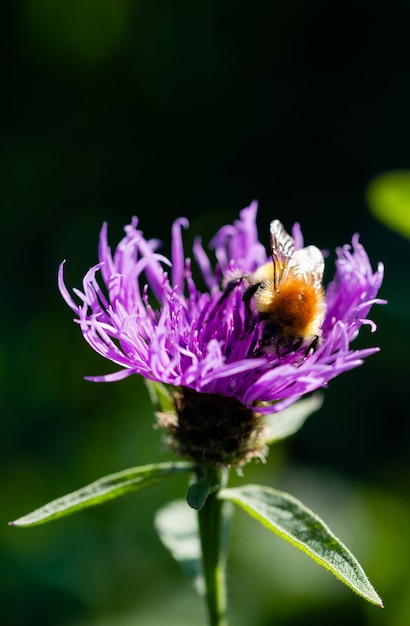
(288, 295)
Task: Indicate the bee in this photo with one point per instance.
(287, 295)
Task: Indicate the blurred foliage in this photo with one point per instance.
(389, 199)
(113, 108)
(77, 32)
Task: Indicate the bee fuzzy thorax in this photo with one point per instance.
(287, 294)
(295, 313)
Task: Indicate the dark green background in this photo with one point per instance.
(164, 109)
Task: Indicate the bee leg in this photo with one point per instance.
(297, 344)
(313, 346)
(229, 287)
(292, 345)
(281, 352)
(250, 292)
(248, 295)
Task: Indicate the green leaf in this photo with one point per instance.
(177, 526)
(291, 520)
(388, 197)
(102, 490)
(160, 396)
(289, 421)
(199, 491)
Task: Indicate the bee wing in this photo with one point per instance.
(282, 249)
(281, 243)
(308, 262)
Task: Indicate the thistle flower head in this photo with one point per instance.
(145, 313)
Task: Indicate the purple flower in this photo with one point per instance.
(146, 313)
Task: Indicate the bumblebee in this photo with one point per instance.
(287, 294)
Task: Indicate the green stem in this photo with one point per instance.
(213, 525)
